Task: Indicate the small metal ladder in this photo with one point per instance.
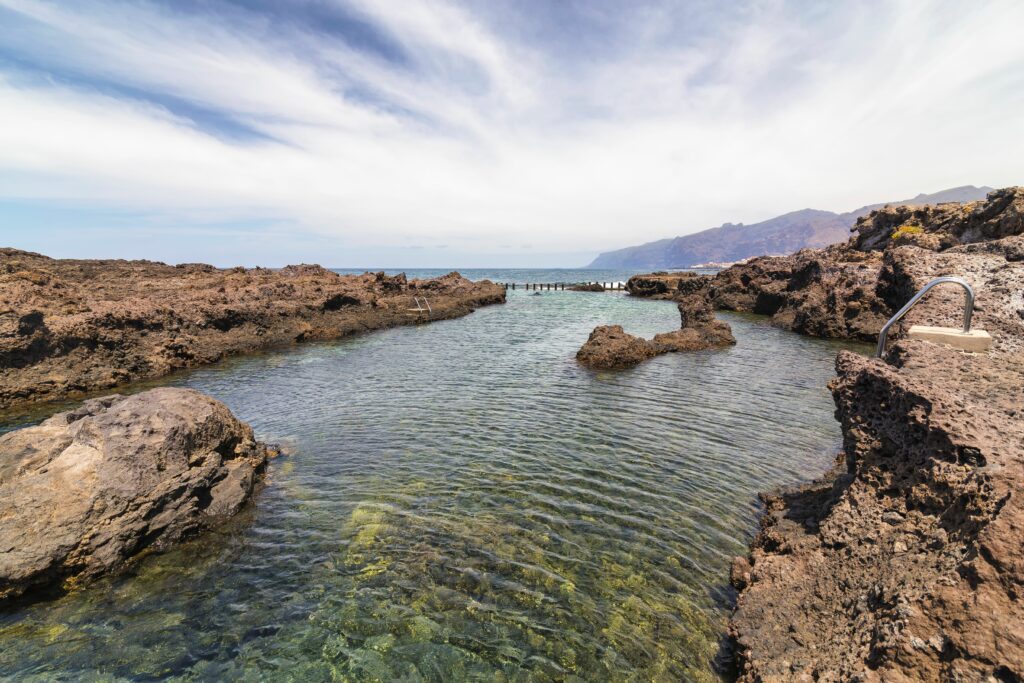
(422, 306)
(968, 309)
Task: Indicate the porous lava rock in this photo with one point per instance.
(73, 326)
(664, 285)
(906, 561)
(86, 491)
(699, 330)
(609, 347)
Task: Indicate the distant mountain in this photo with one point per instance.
(780, 235)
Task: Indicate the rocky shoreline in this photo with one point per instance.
(905, 562)
(68, 327)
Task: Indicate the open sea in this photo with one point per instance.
(463, 502)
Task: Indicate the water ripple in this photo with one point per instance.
(465, 503)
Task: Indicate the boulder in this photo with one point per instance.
(88, 490)
(699, 328)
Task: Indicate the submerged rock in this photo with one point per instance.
(88, 490)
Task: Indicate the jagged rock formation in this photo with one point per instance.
(609, 347)
(88, 490)
(587, 287)
(906, 563)
(70, 326)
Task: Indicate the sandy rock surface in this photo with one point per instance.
(87, 490)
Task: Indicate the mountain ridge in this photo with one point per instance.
(783, 234)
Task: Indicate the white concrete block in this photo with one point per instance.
(975, 341)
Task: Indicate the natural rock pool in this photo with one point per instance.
(464, 502)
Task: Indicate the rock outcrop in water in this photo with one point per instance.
(86, 491)
(906, 563)
(609, 347)
(73, 326)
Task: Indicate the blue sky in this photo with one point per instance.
(482, 133)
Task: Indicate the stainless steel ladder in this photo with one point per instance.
(420, 303)
(968, 308)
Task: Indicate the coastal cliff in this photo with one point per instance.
(74, 326)
(905, 562)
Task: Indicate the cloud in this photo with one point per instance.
(567, 127)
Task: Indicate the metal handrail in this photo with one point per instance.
(968, 308)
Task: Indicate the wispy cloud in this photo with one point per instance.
(369, 124)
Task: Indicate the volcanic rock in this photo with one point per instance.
(609, 347)
(74, 326)
(665, 285)
(88, 490)
(905, 562)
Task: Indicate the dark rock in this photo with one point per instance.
(88, 490)
(664, 285)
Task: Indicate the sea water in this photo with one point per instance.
(463, 501)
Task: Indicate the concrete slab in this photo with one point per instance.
(975, 341)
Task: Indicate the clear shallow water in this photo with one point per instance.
(464, 502)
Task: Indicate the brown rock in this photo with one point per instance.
(610, 347)
(700, 329)
(664, 285)
(906, 564)
(73, 326)
(88, 490)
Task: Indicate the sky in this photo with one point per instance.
(491, 133)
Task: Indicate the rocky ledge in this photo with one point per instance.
(906, 562)
(71, 326)
(609, 347)
(86, 491)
